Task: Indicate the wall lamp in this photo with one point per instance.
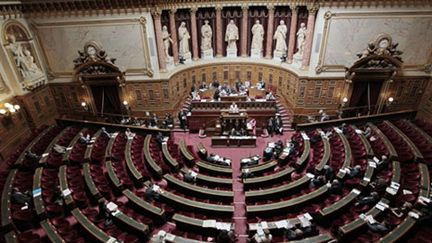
(9, 109)
(344, 101)
(390, 101)
(84, 106)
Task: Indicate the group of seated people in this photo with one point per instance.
(215, 158)
(151, 122)
(274, 125)
(274, 150)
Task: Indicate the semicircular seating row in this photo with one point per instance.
(120, 171)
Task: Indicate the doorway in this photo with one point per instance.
(106, 99)
(365, 96)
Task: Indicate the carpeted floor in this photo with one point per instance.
(235, 154)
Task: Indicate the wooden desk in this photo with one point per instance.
(365, 142)
(327, 152)
(62, 176)
(268, 179)
(146, 150)
(51, 231)
(343, 202)
(306, 151)
(168, 158)
(218, 105)
(112, 175)
(92, 229)
(6, 215)
(38, 201)
(108, 152)
(144, 206)
(289, 204)
(233, 141)
(10, 237)
(353, 226)
(91, 186)
(136, 175)
(233, 98)
(425, 180)
(400, 231)
(261, 168)
(211, 180)
(272, 224)
(183, 221)
(390, 148)
(348, 155)
(89, 149)
(195, 205)
(29, 147)
(396, 172)
(418, 156)
(271, 192)
(206, 192)
(185, 151)
(367, 176)
(217, 169)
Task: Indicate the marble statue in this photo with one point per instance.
(301, 38)
(257, 37)
(166, 41)
(184, 36)
(231, 35)
(24, 60)
(206, 36)
(280, 37)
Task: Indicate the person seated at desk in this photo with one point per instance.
(154, 120)
(370, 200)
(223, 92)
(59, 149)
(328, 172)
(31, 156)
(233, 108)
(129, 134)
(215, 84)
(377, 227)
(21, 198)
(270, 96)
(203, 86)
(261, 85)
(403, 210)
(246, 174)
(226, 236)
(168, 121)
(84, 139)
(323, 116)
(293, 234)
(317, 181)
(196, 96)
(336, 187)
(190, 176)
(262, 236)
(104, 213)
(216, 95)
(367, 132)
(160, 138)
(354, 172)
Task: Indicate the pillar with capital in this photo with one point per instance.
(269, 40)
(309, 37)
(193, 11)
(173, 31)
(219, 40)
(159, 41)
(292, 33)
(244, 30)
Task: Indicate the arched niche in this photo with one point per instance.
(101, 78)
(369, 78)
(22, 55)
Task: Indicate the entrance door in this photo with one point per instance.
(365, 96)
(106, 99)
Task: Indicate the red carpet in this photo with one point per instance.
(235, 154)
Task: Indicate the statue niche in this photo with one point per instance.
(21, 50)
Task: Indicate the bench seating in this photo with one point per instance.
(6, 214)
(153, 165)
(43, 160)
(206, 192)
(338, 205)
(213, 168)
(51, 231)
(418, 156)
(92, 229)
(369, 151)
(347, 152)
(288, 204)
(270, 192)
(136, 175)
(261, 168)
(144, 206)
(112, 175)
(72, 143)
(168, 158)
(185, 151)
(268, 179)
(306, 151)
(91, 186)
(400, 231)
(21, 158)
(62, 176)
(37, 200)
(211, 180)
(89, 149)
(327, 153)
(390, 148)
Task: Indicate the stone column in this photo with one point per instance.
(173, 33)
(219, 39)
(159, 41)
(269, 42)
(292, 33)
(309, 37)
(244, 31)
(193, 11)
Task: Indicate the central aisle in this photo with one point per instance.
(235, 154)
